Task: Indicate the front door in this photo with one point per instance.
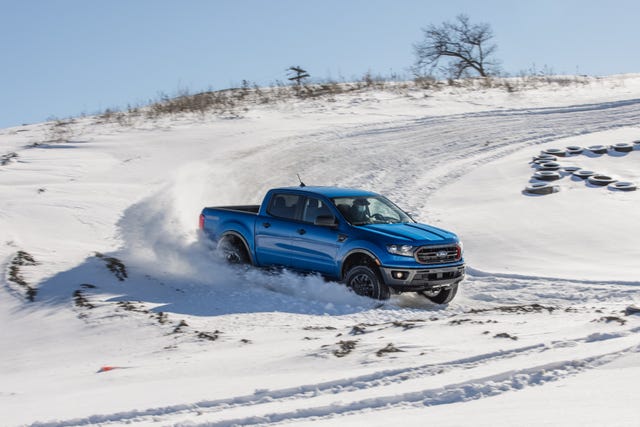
(275, 231)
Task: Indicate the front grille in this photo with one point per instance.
(437, 254)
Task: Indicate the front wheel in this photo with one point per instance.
(367, 282)
(441, 296)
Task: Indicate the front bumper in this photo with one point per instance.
(421, 279)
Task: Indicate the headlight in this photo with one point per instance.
(402, 250)
(460, 249)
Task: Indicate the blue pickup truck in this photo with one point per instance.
(354, 236)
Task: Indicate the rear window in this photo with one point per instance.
(313, 208)
(284, 206)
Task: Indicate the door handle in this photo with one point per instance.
(266, 224)
(301, 231)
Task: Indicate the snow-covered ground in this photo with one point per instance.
(539, 334)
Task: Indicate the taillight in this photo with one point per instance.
(201, 222)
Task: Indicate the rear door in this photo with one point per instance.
(274, 231)
(314, 247)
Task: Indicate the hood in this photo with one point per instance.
(411, 233)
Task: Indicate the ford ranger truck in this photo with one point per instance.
(353, 236)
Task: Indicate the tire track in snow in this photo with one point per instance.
(469, 390)
(522, 289)
(299, 392)
(425, 154)
(461, 392)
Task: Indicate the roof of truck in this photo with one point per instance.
(330, 192)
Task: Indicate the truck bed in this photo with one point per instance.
(254, 209)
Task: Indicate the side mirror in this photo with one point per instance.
(326, 221)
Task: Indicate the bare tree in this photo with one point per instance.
(462, 46)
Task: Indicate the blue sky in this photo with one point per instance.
(68, 57)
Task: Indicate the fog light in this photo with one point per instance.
(399, 275)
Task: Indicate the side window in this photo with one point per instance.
(313, 208)
(284, 205)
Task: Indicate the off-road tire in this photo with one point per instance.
(366, 281)
(232, 250)
(443, 297)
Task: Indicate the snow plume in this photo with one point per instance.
(161, 239)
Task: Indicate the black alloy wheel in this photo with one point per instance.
(367, 282)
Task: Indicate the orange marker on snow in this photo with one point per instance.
(111, 368)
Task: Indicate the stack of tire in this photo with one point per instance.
(548, 169)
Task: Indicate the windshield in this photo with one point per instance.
(370, 210)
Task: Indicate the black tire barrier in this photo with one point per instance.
(584, 174)
(624, 186)
(546, 175)
(540, 188)
(571, 169)
(543, 161)
(574, 150)
(597, 149)
(547, 157)
(600, 180)
(622, 147)
(549, 166)
(555, 152)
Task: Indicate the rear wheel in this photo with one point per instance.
(366, 281)
(232, 250)
(441, 296)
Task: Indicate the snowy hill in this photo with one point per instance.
(133, 321)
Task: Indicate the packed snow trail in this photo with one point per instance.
(409, 160)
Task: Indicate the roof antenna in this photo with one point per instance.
(299, 179)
